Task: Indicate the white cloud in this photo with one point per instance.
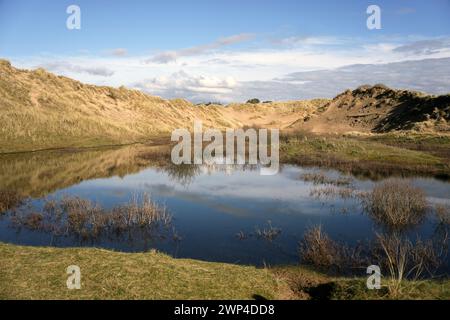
(64, 66)
(304, 41)
(169, 56)
(427, 47)
(184, 85)
(429, 75)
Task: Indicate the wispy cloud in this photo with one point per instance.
(427, 47)
(64, 66)
(169, 56)
(305, 41)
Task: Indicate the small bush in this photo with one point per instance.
(319, 250)
(396, 204)
(253, 101)
(405, 259)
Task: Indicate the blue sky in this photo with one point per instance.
(218, 49)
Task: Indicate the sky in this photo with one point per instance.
(233, 50)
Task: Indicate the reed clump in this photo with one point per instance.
(321, 178)
(268, 233)
(74, 216)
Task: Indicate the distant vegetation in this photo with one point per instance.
(253, 101)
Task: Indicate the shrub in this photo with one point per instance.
(404, 259)
(319, 250)
(396, 204)
(253, 101)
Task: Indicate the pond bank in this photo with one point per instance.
(153, 275)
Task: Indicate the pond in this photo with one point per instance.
(219, 213)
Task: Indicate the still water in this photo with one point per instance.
(216, 210)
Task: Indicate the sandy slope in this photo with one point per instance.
(381, 109)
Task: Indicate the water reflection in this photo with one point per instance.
(213, 208)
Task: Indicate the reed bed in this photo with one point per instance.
(74, 216)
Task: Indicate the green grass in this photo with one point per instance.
(40, 273)
(353, 149)
(366, 154)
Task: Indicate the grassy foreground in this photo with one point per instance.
(40, 273)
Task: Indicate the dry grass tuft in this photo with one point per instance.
(268, 233)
